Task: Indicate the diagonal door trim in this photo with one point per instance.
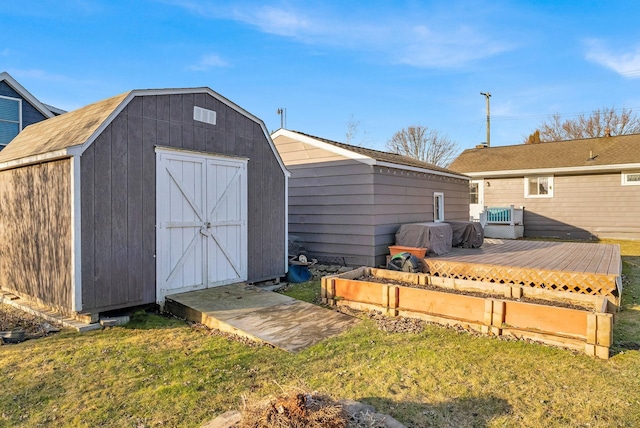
(186, 194)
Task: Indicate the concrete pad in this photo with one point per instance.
(261, 315)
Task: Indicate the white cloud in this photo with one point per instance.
(208, 62)
(626, 64)
(455, 48)
(399, 36)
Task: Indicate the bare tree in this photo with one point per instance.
(424, 144)
(353, 130)
(601, 122)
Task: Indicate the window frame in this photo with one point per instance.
(476, 186)
(438, 208)
(527, 194)
(19, 121)
(625, 178)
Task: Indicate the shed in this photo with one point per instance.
(145, 194)
(347, 202)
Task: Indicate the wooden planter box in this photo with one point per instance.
(589, 331)
(418, 252)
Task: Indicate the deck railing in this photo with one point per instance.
(501, 215)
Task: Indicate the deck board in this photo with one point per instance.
(570, 266)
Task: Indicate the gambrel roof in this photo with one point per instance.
(366, 155)
(71, 133)
(589, 154)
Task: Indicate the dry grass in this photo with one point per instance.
(162, 372)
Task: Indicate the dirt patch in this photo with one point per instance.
(304, 410)
(560, 304)
(15, 320)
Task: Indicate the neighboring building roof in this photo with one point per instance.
(42, 108)
(589, 154)
(365, 154)
(71, 133)
(61, 132)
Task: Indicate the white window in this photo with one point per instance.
(438, 207)
(631, 178)
(473, 192)
(538, 187)
(10, 119)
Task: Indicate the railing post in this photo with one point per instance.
(511, 215)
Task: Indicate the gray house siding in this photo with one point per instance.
(582, 207)
(331, 209)
(407, 197)
(30, 114)
(348, 212)
(119, 203)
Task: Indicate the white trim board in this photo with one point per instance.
(543, 171)
(359, 157)
(6, 77)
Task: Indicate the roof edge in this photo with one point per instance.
(178, 91)
(533, 171)
(42, 108)
(324, 145)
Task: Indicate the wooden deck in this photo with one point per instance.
(585, 268)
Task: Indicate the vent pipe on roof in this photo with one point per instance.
(487, 96)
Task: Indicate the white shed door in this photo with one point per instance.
(201, 222)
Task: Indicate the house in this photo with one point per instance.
(347, 202)
(145, 194)
(19, 109)
(578, 189)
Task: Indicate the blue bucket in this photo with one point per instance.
(298, 273)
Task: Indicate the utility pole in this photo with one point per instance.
(487, 96)
(283, 117)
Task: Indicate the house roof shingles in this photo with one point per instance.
(603, 151)
(61, 132)
(383, 156)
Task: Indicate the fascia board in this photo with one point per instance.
(540, 171)
(25, 94)
(209, 91)
(423, 170)
(29, 160)
(325, 146)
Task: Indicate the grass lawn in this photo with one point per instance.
(159, 371)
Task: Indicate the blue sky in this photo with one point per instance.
(382, 64)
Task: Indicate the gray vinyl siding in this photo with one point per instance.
(331, 210)
(35, 232)
(119, 194)
(30, 114)
(348, 212)
(407, 197)
(582, 207)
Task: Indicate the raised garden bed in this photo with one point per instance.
(576, 321)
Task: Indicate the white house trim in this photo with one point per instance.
(550, 171)
(76, 235)
(325, 146)
(45, 157)
(356, 156)
(204, 90)
(4, 76)
(416, 169)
